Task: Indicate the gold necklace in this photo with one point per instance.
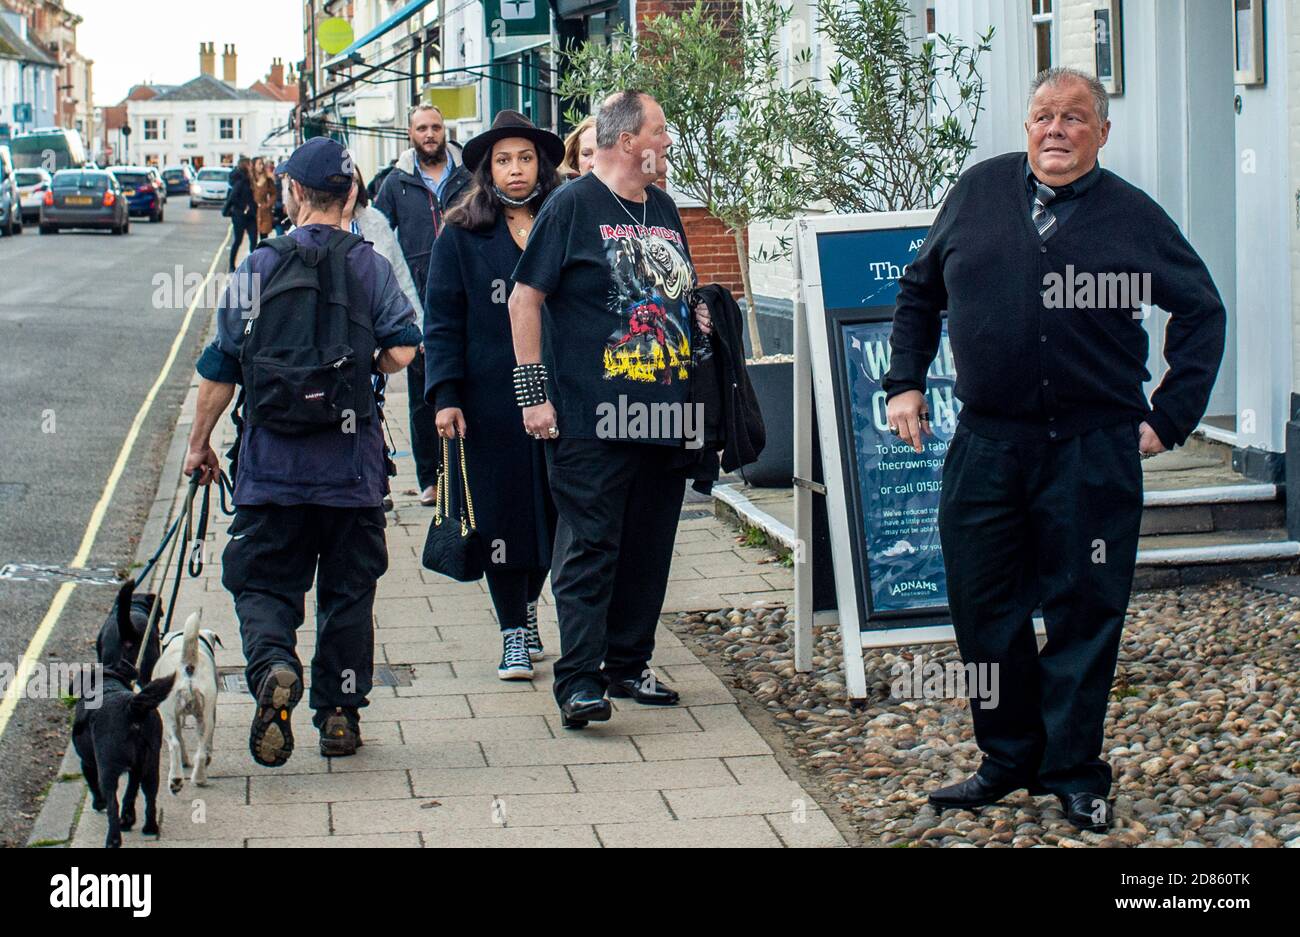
(522, 232)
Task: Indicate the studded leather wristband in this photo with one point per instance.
(530, 384)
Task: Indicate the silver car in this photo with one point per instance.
(32, 186)
(210, 187)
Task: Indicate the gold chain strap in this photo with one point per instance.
(464, 478)
(442, 499)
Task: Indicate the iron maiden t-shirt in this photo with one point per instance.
(616, 324)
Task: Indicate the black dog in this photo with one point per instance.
(122, 734)
(119, 636)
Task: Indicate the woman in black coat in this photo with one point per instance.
(469, 370)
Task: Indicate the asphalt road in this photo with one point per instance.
(82, 339)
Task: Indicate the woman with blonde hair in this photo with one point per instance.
(579, 149)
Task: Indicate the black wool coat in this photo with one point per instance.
(469, 363)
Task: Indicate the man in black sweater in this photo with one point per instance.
(1046, 264)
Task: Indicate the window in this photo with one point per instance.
(226, 129)
(1044, 19)
(151, 130)
(227, 159)
(191, 125)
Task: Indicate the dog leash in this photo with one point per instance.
(170, 541)
(224, 485)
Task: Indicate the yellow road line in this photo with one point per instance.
(36, 646)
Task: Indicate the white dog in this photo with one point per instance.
(193, 659)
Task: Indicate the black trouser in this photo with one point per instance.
(268, 566)
(424, 432)
(1054, 523)
(240, 227)
(511, 591)
(617, 506)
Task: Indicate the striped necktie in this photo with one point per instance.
(1044, 220)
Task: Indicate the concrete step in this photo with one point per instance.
(1209, 508)
(1182, 559)
(1189, 536)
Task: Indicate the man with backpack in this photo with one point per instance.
(303, 325)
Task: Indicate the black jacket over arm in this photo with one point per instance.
(1028, 368)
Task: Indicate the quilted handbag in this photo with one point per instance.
(452, 545)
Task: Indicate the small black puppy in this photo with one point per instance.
(119, 636)
(122, 734)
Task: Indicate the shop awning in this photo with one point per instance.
(397, 19)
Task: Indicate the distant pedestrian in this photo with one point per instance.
(427, 179)
(579, 149)
(468, 375)
(241, 207)
(311, 471)
(264, 194)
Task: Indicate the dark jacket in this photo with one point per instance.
(733, 422)
(413, 211)
(240, 200)
(469, 363)
(1034, 360)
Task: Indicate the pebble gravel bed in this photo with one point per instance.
(1202, 731)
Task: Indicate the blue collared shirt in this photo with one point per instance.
(437, 186)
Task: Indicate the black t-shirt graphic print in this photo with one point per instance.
(616, 326)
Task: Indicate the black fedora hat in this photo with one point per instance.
(511, 124)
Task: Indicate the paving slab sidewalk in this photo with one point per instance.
(460, 758)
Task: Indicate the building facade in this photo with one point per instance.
(43, 78)
(28, 76)
(208, 121)
(1215, 143)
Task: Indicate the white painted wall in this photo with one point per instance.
(258, 116)
(1265, 230)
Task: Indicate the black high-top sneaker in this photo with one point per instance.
(535, 650)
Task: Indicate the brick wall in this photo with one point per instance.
(1076, 35)
(713, 248)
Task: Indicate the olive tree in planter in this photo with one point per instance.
(893, 123)
(717, 75)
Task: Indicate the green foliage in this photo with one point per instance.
(718, 79)
(893, 123)
(888, 129)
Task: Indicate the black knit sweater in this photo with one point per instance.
(1030, 367)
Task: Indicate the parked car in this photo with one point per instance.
(179, 179)
(85, 198)
(140, 190)
(213, 183)
(32, 186)
(11, 202)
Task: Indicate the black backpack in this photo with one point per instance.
(308, 350)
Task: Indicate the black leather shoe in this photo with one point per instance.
(582, 707)
(1086, 811)
(648, 691)
(975, 791)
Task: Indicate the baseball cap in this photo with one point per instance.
(320, 163)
